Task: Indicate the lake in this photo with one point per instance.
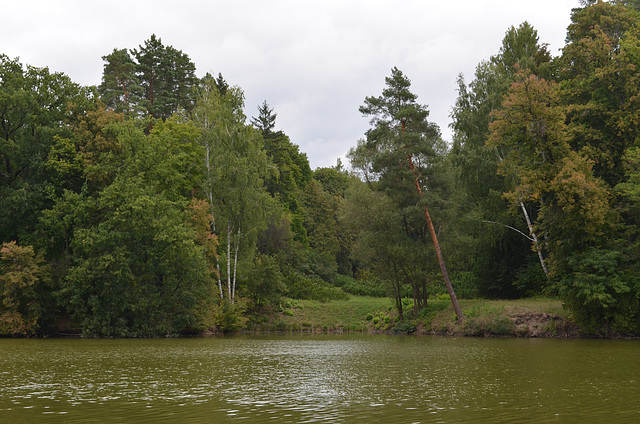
(351, 378)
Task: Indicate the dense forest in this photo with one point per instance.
(151, 204)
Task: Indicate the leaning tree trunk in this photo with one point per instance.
(534, 238)
(229, 262)
(434, 237)
(235, 266)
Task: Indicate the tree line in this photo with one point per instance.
(151, 204)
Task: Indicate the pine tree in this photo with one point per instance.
(401, 145)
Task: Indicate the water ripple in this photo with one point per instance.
(319, 379)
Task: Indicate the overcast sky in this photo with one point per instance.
(313, 61)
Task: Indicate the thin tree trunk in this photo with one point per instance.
(210, 196)
(434, 237)
(535, 240)
(398, 291)
(213, 225)
(235, 266)
(534, 237)
(219, 280)
(229, 259)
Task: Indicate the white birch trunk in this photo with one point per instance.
(210, 197)
(235, 267)
(229, 259)
(535, 239)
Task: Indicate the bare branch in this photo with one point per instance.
(509, 227)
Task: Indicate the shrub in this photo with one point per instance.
(301, 287)
(230, 317)
(601, 298)
(360, 287)
(465, 284)
(404, 328)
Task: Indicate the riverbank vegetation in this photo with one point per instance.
(532, 317)
(152, 205)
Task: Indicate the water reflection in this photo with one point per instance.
(353, 378)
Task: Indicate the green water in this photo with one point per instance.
(341, 379)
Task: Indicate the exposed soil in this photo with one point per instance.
(513, 324)
(541, 324)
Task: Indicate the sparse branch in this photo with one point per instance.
(509, 227)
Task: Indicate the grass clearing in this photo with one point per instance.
(537, 317)
(335, 315)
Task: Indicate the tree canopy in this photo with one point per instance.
(151, 205)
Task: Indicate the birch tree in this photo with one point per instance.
(503, 256)
(236, 166)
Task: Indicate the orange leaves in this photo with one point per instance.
(18, 266)
(530, 120)
(580, 195)
(20, 270)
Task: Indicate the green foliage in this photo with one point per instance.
(482, 214)
(266, 119)
(302, 287)
(166, 77)
(266, 283)
(131, 266)
(397, 259)
(361, 287)
(159, 210)
(404, 328)
(601, 85)
(573, 206)
(498, 326)
(23, 276)
(466, 284)
(154, 79)
(601, 298)
(292, 171)
(120, 88)
(35, 104)
(230, 317)
(530, 279)
(235, 166)
(137, 272)
(428, 313)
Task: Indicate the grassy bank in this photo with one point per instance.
(337, 315)
(520, 318)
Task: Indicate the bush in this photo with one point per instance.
(427, 314)
(341, 280)
(601, 298)
(301, 287)
(483, 326)
(465, 284)
(372, 287)
(266, 284)
(404, 328)
(230, 317)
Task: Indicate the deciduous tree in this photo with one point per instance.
(21, 274)
(236, 166)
